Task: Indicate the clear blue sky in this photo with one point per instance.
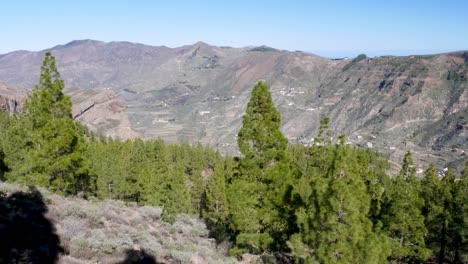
(328, 27)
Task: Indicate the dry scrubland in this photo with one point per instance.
(94, 231)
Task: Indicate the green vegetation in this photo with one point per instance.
(258, 191)
(263, 49)
(327, 203)
(360, 57)
(402, 217)
(45, 147)
(332, 209)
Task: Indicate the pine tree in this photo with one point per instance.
(402, 217)
(372, 169)
(433, 194)
(216, 208)
(48, 100)
(332, 216)
(46, 146)
(408, 171)
(175, 197)
(445, 232)
(110, 165)
(258, 191)
(196, 164)
(458, 230)
(155, 175)
(243, 199)
(324, 133)
(260, 137)
(97, 152)
(17, 145)
(137, 169)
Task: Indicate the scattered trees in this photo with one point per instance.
(327, 203)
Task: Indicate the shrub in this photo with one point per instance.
(360, 57)
(263, 49)
(150, 212)
(73, 227)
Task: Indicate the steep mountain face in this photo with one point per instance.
(198, 93)
(100, 110)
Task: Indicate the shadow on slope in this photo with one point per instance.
(26, 235)
(138, 257)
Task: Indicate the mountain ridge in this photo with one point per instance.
(198, 92)
(81, 41)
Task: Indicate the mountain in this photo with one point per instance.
(198, 93)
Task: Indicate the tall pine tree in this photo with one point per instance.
(332, 215)
(432, 191)
(175, 197)
(258, 191)
(216, 208)
(402, 217)
(47, 146)
(459, 229)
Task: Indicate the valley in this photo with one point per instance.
(198, 93)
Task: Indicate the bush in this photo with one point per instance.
(73, 227)
(360, 57)
(150, 212)
(263, 49)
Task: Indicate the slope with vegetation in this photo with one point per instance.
(326, 203)
(198, 93)
(74, 230)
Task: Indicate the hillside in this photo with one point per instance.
(81, 231)
(198, 93)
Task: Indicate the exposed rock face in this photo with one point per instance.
(11, 98)
(100, 110)
(198, 93)
(9, 105)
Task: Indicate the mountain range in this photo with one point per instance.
(198, 93)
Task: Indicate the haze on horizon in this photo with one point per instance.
(332, 29)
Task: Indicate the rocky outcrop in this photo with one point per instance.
(100, 110)
(11, 105)
(11, 98)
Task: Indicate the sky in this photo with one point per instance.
(329, 28)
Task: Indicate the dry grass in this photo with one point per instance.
(101, 231)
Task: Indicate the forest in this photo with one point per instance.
(327, 203)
